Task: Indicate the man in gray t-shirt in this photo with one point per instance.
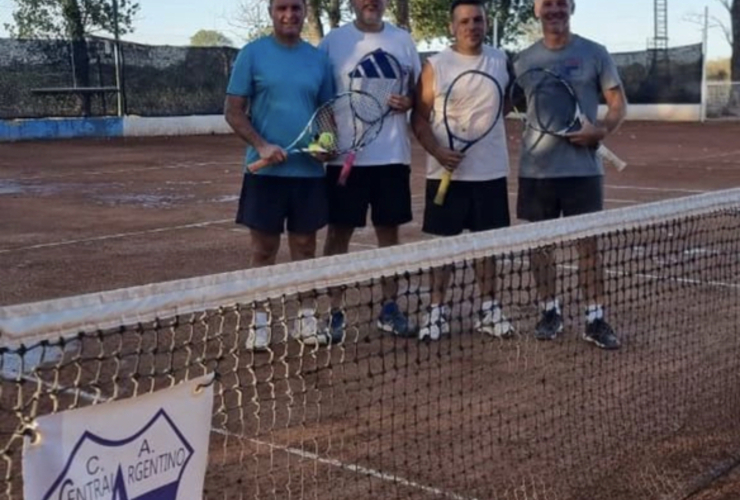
(563, 176)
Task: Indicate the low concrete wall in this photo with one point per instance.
(59, 128)
(136, 126)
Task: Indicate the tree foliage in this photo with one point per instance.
(430, 19)
(210, 38)
(70, 19)
(426, 19)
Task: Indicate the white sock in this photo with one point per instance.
(594, 312)
(260, 319)
(550, 305)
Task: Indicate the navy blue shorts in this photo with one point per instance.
(544, 199)
(472, 205)
(269, 203)
(384, 188)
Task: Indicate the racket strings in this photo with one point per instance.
(361, 119)
(380, 75)
(551, 106)
(472, 106)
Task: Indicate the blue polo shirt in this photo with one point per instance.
(284, 85)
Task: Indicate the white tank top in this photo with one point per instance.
(489, 158)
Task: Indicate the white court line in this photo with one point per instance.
(358, 469)
(658, 189)
(127, 170)
(114, 236)
(687, 281)
(715, 156)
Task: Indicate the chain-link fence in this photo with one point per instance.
(42, 78)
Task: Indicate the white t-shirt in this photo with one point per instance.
(489, 158)
(345, 46)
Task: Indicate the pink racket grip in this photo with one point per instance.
(346, 168)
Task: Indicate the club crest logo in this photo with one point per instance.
(148, 465)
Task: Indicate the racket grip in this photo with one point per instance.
(607, 155)
(346, 168)
(444, 184)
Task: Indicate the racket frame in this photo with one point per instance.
(446, 178)
(350, 158)
(357, 142)
(578, 118)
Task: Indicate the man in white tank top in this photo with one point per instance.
(477, 198)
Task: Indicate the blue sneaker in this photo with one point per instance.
(335, 328)
(392, 320)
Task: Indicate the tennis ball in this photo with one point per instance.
(315, 147)
(326, 140)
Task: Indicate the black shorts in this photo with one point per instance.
(385, 188)
(267, 202)
(471, 205)
(544, 199)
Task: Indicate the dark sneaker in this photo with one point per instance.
(392, 320)
(549, 326)
(602, 334)
(335, 328)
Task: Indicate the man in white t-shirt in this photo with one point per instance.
(380, 178)
(477, 199)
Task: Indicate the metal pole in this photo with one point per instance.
(704, 86)
(495, 29)
(117, 59)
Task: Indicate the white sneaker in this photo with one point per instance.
(434, 323)
(491, 320)
(305, 329)
(259, 333)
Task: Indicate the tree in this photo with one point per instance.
(430, 18)
(70, 19)
(730, 31)
(253, 18)
(210, 38)
(73, 20)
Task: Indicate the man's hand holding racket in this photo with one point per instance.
(272, 153)
(589, 135)
(400, 103)
(448, 158)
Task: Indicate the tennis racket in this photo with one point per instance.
(473, 106)
(556, 108)
(379, 74)
(361, 116)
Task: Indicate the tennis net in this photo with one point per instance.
(468, 416)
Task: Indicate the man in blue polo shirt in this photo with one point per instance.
(277, 83)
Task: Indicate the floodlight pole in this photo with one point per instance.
(117, 59)
(704, 44)
(494, 24)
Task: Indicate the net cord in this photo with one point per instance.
(28, 324)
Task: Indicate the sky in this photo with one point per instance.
(621, 25)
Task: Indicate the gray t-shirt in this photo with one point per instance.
(589, 68)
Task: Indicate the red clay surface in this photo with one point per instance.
(86, 216)
(91, 215)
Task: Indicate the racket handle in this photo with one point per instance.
(346, 168)
(444, 184)
(608, 156)
(259, 164)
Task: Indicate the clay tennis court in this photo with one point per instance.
(86, 216)
(91, 215)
